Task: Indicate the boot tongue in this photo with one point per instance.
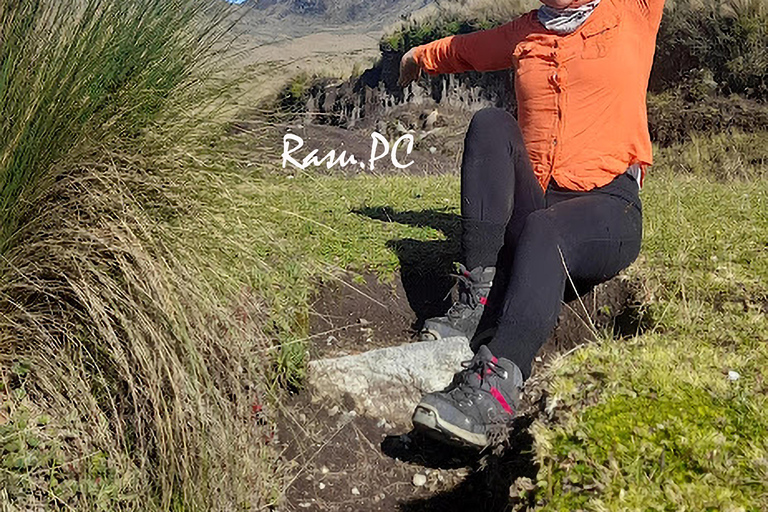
(483, 354)
(474, 285)
(475, 369)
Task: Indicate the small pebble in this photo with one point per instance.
(432, 149)
(321, 485)
(305, 505)
(324, 470)
(355, 491)
(733, 375)
(333, 411)
(363, 321)
(419, 480)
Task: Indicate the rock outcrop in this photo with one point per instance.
(388, 382)
(375, 94)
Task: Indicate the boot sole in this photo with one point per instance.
(427, 419)
(477, 338)
(432, 335)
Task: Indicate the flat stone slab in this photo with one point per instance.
(387, 383)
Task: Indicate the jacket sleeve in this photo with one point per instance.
(485, 50)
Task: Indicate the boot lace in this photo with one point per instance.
(468, 383)
(468, 297)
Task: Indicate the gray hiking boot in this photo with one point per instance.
(477, 406)
(464, 316)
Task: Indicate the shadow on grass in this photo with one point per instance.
(487, 487)
(425, 266)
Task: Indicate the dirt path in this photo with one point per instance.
(344, 462)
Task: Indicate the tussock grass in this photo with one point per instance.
(154, 383)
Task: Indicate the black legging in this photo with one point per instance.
(510, 223)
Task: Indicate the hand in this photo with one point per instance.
(409, 69)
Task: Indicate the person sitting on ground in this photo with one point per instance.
(549, 202)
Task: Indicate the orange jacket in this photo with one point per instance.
(581, 97)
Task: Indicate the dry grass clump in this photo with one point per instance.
(138, 362)
(128, 341)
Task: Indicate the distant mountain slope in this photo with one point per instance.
(305, 16)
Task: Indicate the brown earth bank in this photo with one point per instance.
(345, 462)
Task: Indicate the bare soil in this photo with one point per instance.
(344, 462)
(350, 317)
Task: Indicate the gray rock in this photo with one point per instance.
(388, 382)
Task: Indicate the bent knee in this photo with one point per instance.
(490, 115)
(492, 123)
(539, 223)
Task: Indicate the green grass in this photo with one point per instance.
(654, 422)
(648, 422)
